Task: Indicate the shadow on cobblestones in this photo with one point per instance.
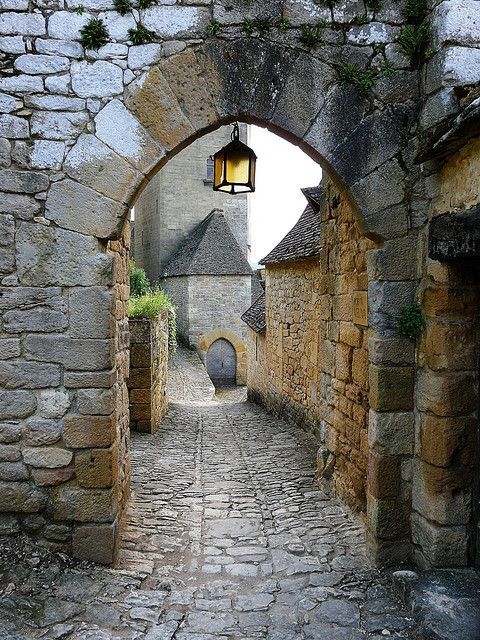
(227, 535)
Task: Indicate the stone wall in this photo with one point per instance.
(446, 491)
(256, 367)
(316, 357)
(147, 383)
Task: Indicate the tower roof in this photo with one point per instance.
(211, 249)
(303, 239)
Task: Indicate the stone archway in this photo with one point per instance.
(68, 246)
(207, 340)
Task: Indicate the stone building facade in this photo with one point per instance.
(83, 131)
(210, 281)
(312, 365)
(179, 197)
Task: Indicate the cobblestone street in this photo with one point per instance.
(227, 536)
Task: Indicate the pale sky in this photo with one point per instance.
(282, 170)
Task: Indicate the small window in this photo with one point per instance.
(209, 169)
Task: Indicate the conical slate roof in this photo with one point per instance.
(210, 250)
(303, 239)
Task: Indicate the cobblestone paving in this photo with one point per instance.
(227, 536)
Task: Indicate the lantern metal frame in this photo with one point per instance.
(235, 147)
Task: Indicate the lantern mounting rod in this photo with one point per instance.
(235, 135)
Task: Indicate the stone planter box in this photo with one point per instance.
(147, 383)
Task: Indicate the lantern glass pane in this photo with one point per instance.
(253, 164)
(237, 165)
(218, 173)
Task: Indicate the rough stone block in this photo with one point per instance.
(387, 519)
(95, 543)
(60, 258)
(43, 319)
(385, 302)
(185, 77)
(447, 440)
(73, 206)
(170, 22)
(13, 471)
(41, 64)
(57, 125)
(10, 432)
(17, 404)
(77, 354)
(135, 144)
(28, 375)
(53, 403)
(438, 494)
(10, 348)
(96, 401)
(78, 380)
(83, 505)
(47, 457)
(52, 477)
(10, 453)
(91, 312)
(83, 432)
(95, 165)
(391, 388)
(95, 468)
(21, 497)
(20, 206)
(38, 432)
(298, 105)
(384, 475)
(391, 433)
(446, 394)
(96, 80)
(391, 351)
(23, 181)
(440, 546)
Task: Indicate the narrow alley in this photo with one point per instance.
(227, 536)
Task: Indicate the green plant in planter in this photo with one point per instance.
(139, 282)
(151, 305)
(141, 35)
(411, 322)
(413, 41)
(122, 6)
(94, 34)
(214, 28)
(362, 79)
(312, 35)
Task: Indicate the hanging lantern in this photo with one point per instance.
(234, 166)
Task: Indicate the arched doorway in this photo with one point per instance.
(222, 362)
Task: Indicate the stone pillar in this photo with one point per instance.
(391, 422)
(147, 383)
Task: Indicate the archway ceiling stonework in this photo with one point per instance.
(84, 131)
